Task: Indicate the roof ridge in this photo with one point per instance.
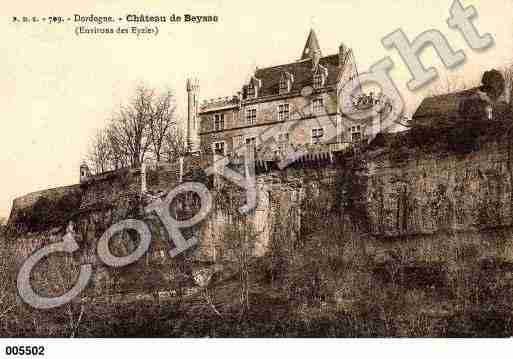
(294, 62)
(469, 90)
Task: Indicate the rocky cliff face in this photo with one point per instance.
(430, 193)
(441, 208)
(426, 206)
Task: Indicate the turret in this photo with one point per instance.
(193, 143)
(85, 173)
(311, 47)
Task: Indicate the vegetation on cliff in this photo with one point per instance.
(327, 277)
(46, 212)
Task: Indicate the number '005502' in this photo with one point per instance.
(25, 350)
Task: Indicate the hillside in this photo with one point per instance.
(410, 236)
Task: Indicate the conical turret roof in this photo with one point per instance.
(311, 46)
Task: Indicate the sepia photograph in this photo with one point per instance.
(226, 169)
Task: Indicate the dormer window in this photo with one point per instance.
(286, 81)
(320, 74)
(251, 91)
(318, 81)
(284, 86)
(253, 87)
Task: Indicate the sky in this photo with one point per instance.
(58, 88)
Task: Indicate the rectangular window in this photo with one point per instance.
(356, 133)
(219, 148)
(318, 105)
(317, 81)
(251, 116)
(251, 91)
(284, 86)
(317, 134)
(283, 142)
(283, 112)
(251, 141)
(219, 122)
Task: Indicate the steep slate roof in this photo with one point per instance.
(311, 46)
(302, 72)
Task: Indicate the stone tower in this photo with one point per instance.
(193, 143)
(85, 173)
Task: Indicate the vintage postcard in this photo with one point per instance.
(230, 169)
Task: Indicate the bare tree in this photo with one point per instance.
(53, 278)
(129, 128)
(117, 154)
(174, 145)
(145, 126)
(99, 154)
(161, 119)
(61, 274)
(240, 239)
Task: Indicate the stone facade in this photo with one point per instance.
(288, 107)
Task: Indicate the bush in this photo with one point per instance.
(46, 213)
(464, 139)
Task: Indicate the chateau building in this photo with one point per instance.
(286, 107)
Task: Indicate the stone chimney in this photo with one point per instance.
(342, 54)
(315, 59)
